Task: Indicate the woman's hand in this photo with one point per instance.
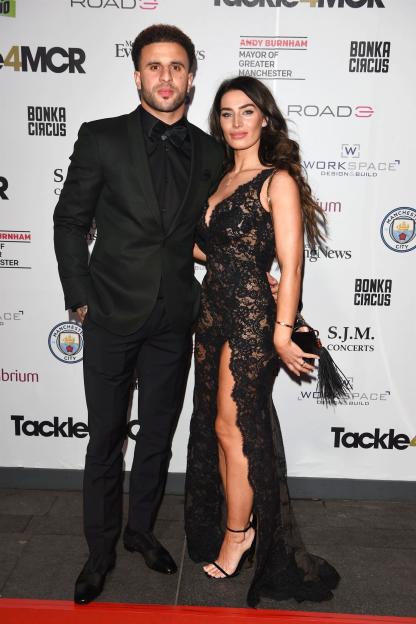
(199, 254)
(293, 356)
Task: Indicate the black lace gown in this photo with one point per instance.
(237, 306)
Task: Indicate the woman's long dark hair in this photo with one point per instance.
(276, 148)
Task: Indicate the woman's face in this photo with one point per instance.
(241, 120)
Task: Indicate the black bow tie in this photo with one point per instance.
(176, 134)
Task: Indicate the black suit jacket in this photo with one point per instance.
(109, 180)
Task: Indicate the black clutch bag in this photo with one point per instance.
(332, 383)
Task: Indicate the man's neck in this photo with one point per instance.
(168, 118)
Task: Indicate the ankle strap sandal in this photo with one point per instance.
(249, 526)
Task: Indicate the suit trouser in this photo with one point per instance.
(161, 358)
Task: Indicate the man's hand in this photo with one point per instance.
(82, 311)
(274, 285)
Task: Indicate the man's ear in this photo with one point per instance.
(137, 79)
(190, 81)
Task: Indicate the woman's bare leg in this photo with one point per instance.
(223, 470)
(239, 495)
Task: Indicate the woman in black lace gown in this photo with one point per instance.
(259, 211)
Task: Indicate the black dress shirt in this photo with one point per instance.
(169, 151)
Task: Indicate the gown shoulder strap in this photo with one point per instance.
(271, 176)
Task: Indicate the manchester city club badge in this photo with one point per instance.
(66, 342)
(398, 229)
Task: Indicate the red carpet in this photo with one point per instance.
(14, 611)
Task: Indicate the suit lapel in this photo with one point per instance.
(140, 163)
(193, 177)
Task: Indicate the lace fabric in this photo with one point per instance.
(237, 307)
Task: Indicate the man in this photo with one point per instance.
(144, 178)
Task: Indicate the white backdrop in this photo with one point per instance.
(71, 59)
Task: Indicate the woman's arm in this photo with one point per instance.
(198, 254)
(288, 231)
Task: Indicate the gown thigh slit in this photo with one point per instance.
(235, 462)
(237, 308)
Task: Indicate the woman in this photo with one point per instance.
(258, 212)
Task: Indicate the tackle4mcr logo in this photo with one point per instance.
(7, 8)
(41, 59)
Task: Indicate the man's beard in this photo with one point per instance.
(157, 102)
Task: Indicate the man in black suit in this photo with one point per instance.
(144, 178)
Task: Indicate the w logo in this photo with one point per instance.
(350, 150)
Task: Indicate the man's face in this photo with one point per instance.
(163, 77)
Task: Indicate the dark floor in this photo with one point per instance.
(373, 546)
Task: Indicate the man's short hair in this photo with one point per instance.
(162, 33)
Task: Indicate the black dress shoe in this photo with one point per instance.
(90, 582)
(155, 555)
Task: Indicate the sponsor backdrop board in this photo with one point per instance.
(341, 71)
